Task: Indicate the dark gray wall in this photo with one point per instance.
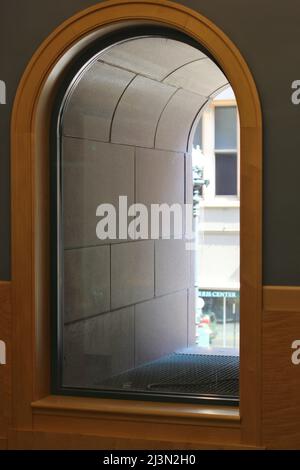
(267, 34)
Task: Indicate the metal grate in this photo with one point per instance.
(181, 373)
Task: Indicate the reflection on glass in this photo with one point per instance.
(136, 311)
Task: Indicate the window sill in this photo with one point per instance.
(220, 203)
(138, 410)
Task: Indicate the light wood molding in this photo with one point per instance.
(59, 441)
(151, 422)
(281, 378)
(281, 381)
(281, 299)
(30, 209)
(3, 443)
(143, 410)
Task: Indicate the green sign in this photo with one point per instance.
(230, 294)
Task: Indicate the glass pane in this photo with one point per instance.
(225, 127)
(222, 310)
(226, 174)
(126, 285)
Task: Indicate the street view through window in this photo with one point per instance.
(147, 226)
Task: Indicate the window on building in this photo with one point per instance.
(226, 152)
(226, 174)
(225, 128)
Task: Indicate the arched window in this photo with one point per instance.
(147, 271)
(35, 383)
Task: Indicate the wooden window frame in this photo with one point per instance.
(34, 409)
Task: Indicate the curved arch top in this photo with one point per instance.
(129, 93)
(164, 12)
(30, 130)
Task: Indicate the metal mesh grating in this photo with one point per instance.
(188, 374)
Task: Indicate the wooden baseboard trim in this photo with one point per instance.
(281, 299)
(3, 443)
(41, 440)
(144, 411)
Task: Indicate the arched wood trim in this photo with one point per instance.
(30, 208)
